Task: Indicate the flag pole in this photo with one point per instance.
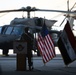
(43, 24)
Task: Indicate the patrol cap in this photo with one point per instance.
(26, 29)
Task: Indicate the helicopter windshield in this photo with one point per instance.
(0, 29)
(17, 30)
(14, 30)
(9, 30)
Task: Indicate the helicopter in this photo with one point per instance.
(12, 32)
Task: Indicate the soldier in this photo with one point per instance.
(28, 37)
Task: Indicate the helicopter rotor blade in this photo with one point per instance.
(3, 11)
(70, 15)
(60, 11)
(29, 9)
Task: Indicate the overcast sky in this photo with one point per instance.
(46, 4)
(5, 18)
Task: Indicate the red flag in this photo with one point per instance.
(46, 45)
(67, 45)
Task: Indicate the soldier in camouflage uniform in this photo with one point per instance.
(28, 37)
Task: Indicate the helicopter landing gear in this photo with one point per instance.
(5, 52)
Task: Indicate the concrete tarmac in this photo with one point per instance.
(53, 67)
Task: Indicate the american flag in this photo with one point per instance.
(46, 45)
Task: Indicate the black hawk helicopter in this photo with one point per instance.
(12, 32)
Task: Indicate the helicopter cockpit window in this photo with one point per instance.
(17, 30)
(0, 29)
(9, 30)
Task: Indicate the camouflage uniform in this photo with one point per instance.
(28, 37)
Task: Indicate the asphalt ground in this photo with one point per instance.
(53, 67)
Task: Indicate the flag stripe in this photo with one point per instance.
(50, 49)
(46, 46)
(63, 51)
(44, 53)
(51, 42)
(70, 33)
(65, 45)
(51, 45)
(40, 45)
(68, 46)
